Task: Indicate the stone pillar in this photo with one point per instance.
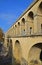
(35, 24)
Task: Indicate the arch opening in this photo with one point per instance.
(40, 6)
(23, 27)
(15, 25)
(19, 23)
(10, 41)
(23, 20)
(31, 15)
(41, 56)
(35, 53)
(17, 42)
(17, 51)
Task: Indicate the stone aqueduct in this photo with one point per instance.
(26, 35)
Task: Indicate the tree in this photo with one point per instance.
(1, 35)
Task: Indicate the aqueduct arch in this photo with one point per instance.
(17, 51)
(35, 52)
(31, 15)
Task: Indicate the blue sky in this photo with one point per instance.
(10, 10)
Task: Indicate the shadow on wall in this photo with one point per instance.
(23, 62)
(35, 62)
